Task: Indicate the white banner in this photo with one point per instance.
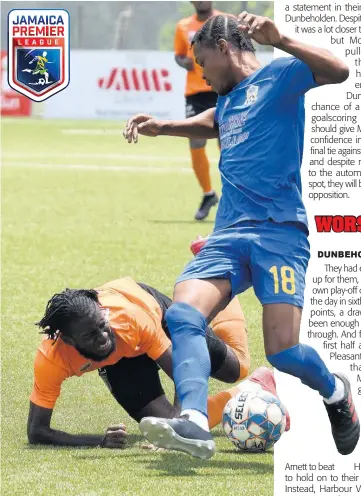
(117, 84)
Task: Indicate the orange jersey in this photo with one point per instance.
(135, 318)
(185, 30)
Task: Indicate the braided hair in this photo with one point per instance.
(64, 307)
(223, 27)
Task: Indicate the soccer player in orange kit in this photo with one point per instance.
(120, 329)
(199, 97)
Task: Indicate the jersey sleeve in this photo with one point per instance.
(153, 341)
(48, 378)
(292, 76)
(180, 42)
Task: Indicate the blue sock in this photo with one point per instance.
(304, 362)
(191, 362)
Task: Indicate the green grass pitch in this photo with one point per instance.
(80, 207)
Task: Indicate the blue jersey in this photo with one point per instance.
(261, 126)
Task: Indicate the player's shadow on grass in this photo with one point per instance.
(182, 221)
(248, 454)
(106, 454)
(218, 433)
(173, 464)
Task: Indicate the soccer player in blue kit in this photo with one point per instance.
(260, 234)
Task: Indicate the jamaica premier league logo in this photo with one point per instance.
(38, 52)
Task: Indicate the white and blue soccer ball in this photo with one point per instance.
(254, 420)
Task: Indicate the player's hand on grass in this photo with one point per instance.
(115, 437)
(141, 124)
(261, 29)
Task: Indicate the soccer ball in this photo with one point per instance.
(254, 420)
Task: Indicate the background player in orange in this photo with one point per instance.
(120, 329)
(199, 97)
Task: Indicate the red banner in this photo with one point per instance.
(12, 103)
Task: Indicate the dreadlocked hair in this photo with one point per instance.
(222, 27)
(64, 307)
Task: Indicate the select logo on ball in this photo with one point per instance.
(258, 425)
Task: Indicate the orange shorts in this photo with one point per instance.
(230, 326)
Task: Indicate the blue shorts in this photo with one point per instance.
(271, 257)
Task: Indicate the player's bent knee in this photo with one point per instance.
(159, 407)
(244, 359)
(180, 315)
(245, 366)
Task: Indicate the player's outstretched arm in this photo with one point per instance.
(326, 68)
(40, 432)
(199, 126)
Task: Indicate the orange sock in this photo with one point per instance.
(216, 405)
(200, 164)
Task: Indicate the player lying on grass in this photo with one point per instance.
(260, 235)
(120, 330)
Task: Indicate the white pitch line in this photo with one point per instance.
(112, 168)
(23, 120)
(92, 132)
